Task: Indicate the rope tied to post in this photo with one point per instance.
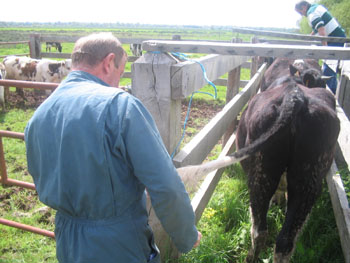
(185, 57)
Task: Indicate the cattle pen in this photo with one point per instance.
(169, 80)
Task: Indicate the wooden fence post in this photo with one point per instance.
(151, 83)
(254, 63)
(233, 81)
(35, 46)
(343, 90)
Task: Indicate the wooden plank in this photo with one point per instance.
(289, 42)
(233, 85)
(14, 43)
(60, 38)
(187, 77)
(337, 192)
(73, 39)
(68, 55)
(341, 209)
(344, 94)
(223, 82)
(200, 146)
(132, 58)
(238, 49)
(254, 61)
(19, 55)
(343, 153)
(55, 55)
(206, 190)
(343, 91)
(288, 35)
(123, 40)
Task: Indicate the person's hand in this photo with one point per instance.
(198, 240)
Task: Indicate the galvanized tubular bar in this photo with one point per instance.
(27, 228)
(6, 181)
(23, 184)
(11, 134)
(3, 170)
(28, 84)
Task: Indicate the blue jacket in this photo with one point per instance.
(92, 150)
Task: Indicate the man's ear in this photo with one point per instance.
(108, 62)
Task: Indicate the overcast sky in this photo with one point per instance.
(242, 13)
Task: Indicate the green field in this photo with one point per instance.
(225, 223)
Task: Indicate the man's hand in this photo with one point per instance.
(198, 240)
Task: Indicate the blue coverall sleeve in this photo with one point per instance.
(154, 168)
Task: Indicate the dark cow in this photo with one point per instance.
(56, 45)
(300, 128)
(303, 71)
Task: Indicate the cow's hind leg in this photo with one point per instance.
(303, 190)
(261, 186)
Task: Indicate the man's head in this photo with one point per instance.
(302, 7)
(102, 55)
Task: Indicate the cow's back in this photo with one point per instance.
(317, 113)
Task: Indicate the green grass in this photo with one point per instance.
(21, 205)
(225, 226)
(14, 49)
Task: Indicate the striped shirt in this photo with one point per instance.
(319, 16)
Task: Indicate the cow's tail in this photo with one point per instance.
(293, 101)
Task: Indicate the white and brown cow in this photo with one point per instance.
(298, 127)
(29, 69)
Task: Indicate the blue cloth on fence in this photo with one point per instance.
(83, 151)
(332, 83)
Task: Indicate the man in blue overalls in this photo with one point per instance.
(92, 150)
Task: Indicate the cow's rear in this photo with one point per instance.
(303, 147)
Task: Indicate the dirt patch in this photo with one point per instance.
(20, 198)
(29, 99)
(201, 112)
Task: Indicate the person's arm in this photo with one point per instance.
(322, 32)
(154, 168)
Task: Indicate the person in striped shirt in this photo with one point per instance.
(323, 24)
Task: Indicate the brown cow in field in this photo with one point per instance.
(301, 127)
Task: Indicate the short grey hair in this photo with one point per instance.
(92, 49)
